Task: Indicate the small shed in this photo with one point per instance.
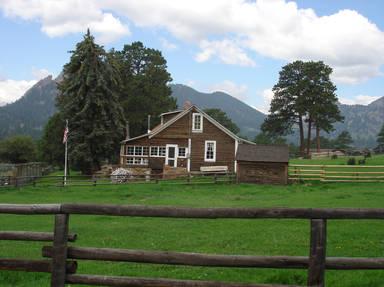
(266, 164)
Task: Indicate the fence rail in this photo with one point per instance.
(96, 180)
(63, 267)
(336, 173)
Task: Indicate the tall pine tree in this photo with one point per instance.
(88, 98)
(144, 90)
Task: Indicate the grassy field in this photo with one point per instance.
(251, 237)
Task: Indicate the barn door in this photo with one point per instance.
(171, 155)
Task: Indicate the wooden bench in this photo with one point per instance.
(214, 169)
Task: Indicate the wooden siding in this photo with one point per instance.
(180, 131)
(262, 172)
(167, 117)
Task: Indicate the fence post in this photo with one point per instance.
(34, 181)
(16, 181)
(215, 178)
(317, 253)
(59, 255)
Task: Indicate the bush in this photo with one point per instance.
(351, 161)
(334, 156)
(361, 161)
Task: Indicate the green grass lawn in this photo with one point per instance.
(363, 238)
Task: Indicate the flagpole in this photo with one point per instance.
(66, 156)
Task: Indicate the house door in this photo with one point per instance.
(171, 155)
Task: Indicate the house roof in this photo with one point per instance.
(181, 114)
(262, 153)
(171, 112)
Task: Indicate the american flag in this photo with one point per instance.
(65, 137)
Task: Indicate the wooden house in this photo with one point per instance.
(186, 140)
(263, 164)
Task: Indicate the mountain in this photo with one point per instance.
(245, 117)
(30, 113)
(362, 121)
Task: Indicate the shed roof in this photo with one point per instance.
(262, 153)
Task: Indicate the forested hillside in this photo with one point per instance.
(29, 114)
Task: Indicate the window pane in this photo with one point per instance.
(154, 150)
(130, 150)
(210, 151)
(182, 151)
(161, 151)
(145, 150)
(197, 122)
(138, 150)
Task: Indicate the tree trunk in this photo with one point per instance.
(318, 138)
(302, 147)
(309, 136)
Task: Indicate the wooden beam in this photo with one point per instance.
(31, 236)
(185, 212)
(30, 208)
(59, 254)
(317, 254)
(197, 259)
(33, 265)
(98, 280)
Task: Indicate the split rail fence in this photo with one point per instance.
(96, 180)
(336, 173)
(62, 264)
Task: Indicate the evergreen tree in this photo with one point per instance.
(343, 140)
(88, 98)
(265, 138)
(303, 94)
(380, 139)
(221, 117)
(144, 90)
(51, 147)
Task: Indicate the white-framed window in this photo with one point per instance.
(162, 151)
(154, 151)
(137, 161)
(157, 151)
(130, 150)
(137, 150)
(197, 122)
(210, 151)
(183, 152)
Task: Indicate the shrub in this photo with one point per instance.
(351, 161)
(334, 156)
(361, 161)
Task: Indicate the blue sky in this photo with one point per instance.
(236, 46)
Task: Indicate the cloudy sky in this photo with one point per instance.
(236, 46)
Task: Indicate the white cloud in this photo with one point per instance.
(266, 98)
(238, 91)
(167, 45)
(227, 29)
(226, 50)
(59, 18)
(359, 100)
(39, 74)
(11, 90)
